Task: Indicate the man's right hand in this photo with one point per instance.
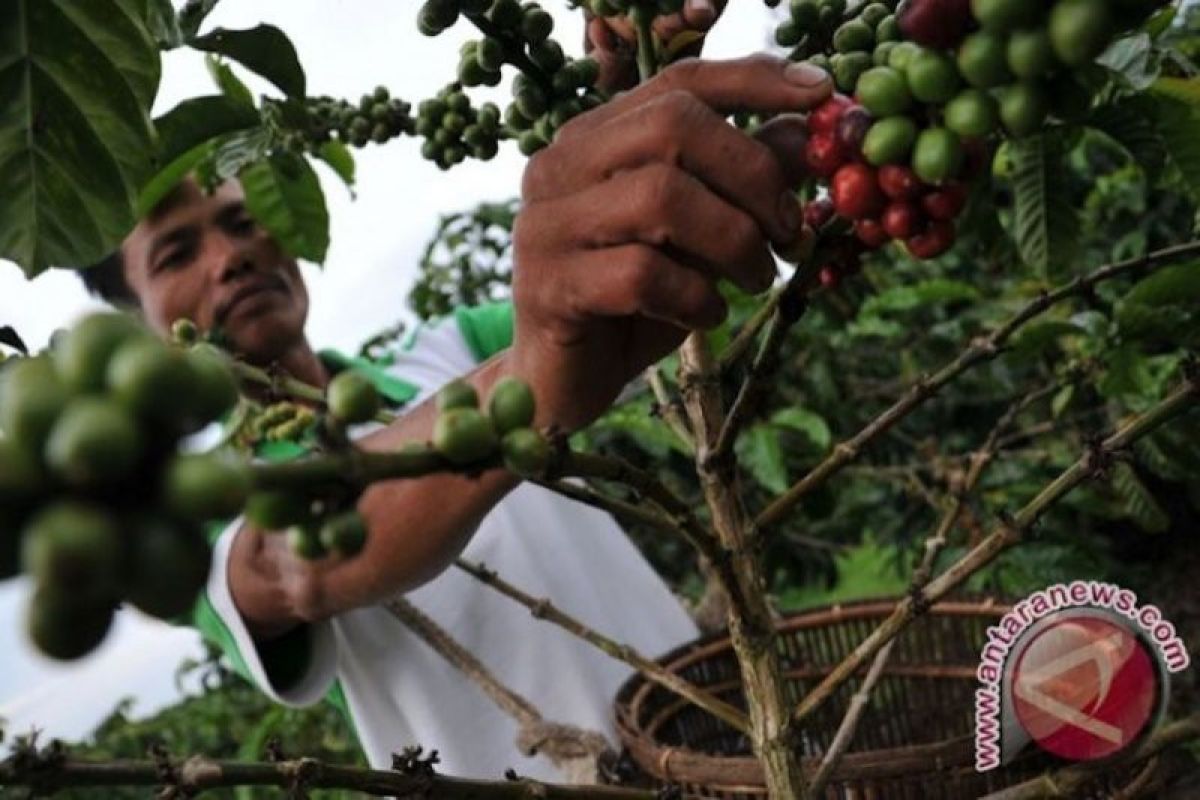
(635, 212)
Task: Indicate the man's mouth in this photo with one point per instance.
(247, 292)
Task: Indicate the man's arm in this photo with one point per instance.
(418, 526)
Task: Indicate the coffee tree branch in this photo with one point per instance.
(980, 350)
(542, 608)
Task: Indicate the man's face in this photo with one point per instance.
(204, 258)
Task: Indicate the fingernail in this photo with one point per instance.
(702, 6)
(789, 212)
(805, 74)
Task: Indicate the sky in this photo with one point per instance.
(347, 47)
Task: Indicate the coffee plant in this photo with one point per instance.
(943, 219)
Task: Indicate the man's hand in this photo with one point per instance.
(632, 216)
(612, 41)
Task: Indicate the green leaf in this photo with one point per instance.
(1062, 400)
(1177, 116)
(284, 195)
(1045, 222)
(198, 120)
(1163, 307)
(339, 159)
(229, 83)
(1132, 58)
(759, 452)
(809, 423)
(169, 177)
(192, 16)
(1131, 124)
(1177, 284)
(76, 84)
(1160, 23)
(1137, 501)
(263, 49)
(163, 24)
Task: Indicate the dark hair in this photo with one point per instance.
(106, 280)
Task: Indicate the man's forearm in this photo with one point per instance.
(417, 527)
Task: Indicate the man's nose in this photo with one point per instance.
(231, 258)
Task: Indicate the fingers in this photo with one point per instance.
(677, 130)
(786, 136)
(664, 208)
(635, 280)
(701, 14)
(756, 83)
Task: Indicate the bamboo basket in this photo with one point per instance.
(914, 741)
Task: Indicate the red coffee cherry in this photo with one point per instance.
(856, 193)
(902, 220)
(937, 239)
(900, 183)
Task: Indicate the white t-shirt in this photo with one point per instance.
(401, 693)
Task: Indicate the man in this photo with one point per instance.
(628, 221)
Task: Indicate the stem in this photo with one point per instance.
(542, 608)
(514, 51)
(1008, 533)
(280, 384)
(356, 467)
(744, 340)
(980, 349)
(1070, 781)
(196, 774)
(618, 508)
(751, 626)
(670, 410)
(643, 23)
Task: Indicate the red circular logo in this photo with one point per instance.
(1084, 687)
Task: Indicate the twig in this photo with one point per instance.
(849, 724)
(670, 409)
(741, 344)
(542, 608)
(1069, 781)
(198, 774)
(1009, 532)
(789, 308)
(979, 350)
(618, 508)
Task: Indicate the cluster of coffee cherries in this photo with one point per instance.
(549, 89)
(378, 117)
(822, 32)
(465, 435)
(97, 505)
(927, 91)
(453, 128)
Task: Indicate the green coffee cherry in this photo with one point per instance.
(150, 379)
(932, 76)
(94, 442)
(511, 405)
(463, 436)
(526, 453)
(83, 355)
(31, 398)
(1003, 16)
(64, 627)
(853, 37)
(937, 155)
(345, 534)
(536, 26)
(983, 60)
(276, 510)
(1080, 30)
(1024, 108)
(883, 91)
(973, 112)
(889, 141)
(1030, 53)
(352, 398)
(214, 390)
(205, 487)
(848, 68)
(457, 394)
(548, 55)
(506, 13)
(168, 568)
(75, 547)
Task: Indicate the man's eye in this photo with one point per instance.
(174, 259)
(242, 225)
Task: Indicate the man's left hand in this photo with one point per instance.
(612, 41)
